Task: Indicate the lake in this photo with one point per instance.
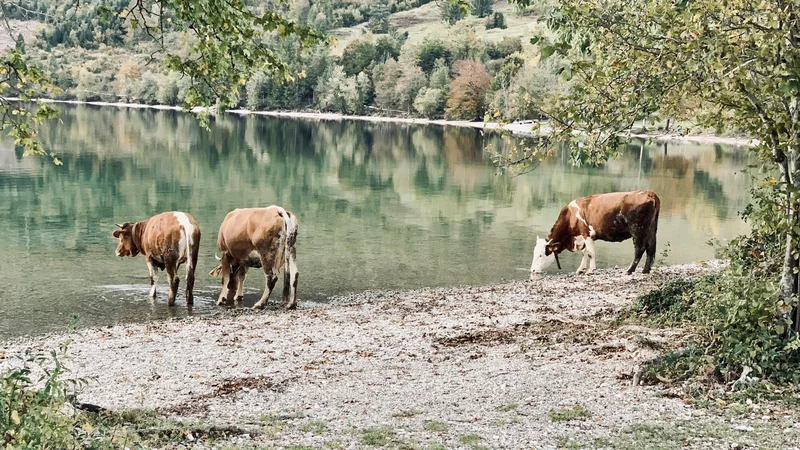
(380, 206)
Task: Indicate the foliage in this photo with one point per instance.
(338, 92)
(360, 54)
(496, 20)
(468, 92)
(740, 323)
(429, 52)
(451, 12)
(32, 418)
(576, 412)
(505, 48)
(379, 17)
(225, 43)
(481, 8)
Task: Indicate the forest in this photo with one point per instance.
(92, 54)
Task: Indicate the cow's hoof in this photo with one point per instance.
(239, 299)
(589, 272)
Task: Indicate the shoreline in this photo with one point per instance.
(490, 361)
(517, 129)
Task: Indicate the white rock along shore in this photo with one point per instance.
(487, 361)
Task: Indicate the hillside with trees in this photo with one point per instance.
(412, 58)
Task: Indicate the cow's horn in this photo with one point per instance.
(119, 225)
(217, 257)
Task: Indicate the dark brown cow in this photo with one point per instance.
(258, 237)
(166, 240)
(612, 217)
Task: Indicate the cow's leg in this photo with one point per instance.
(590, 255)
(580, 245)
(191, 265)
(638, 249)
(582, 267)
(240, 276)
(650, 248)
(174, 281)
(290, 274)
(272, 279)
(153, 278)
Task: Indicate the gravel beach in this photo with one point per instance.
(458, 367)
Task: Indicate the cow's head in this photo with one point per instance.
(543, 255)
(126, 246)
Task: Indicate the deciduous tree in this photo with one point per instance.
(468, 92)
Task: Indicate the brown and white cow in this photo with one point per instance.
(253, 238)
(612, 217)
(166, 240)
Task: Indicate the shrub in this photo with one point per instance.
(496, 20)
(32, 418)
(468, 92)
(740, 324)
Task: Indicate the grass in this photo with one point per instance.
(315, 427)
(470, 439)
(435, 425)
(406, 413)
(508, 408)
(425, 22)
(379, 436)
(576, 412)
(696, 434)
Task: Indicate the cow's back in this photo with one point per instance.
(614, 215)
(246, 229)
(162, 232)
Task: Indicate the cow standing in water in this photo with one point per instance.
(166, 240)
(253, 238)
(612, 217)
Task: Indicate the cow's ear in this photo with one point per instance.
(116, 233)
(552, 248)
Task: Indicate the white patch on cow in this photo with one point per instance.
(186, 242)
(574, 204)
(280, 209)
(540, 259)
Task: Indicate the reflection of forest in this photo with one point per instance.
(123, 162)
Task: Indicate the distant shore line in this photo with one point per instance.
(523, 128)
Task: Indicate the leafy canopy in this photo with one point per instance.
(739, 60)
(229, 43)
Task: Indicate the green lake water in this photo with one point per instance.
(380, 206)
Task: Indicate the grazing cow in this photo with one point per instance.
(253, 238)
(612, 217)
(166, 240)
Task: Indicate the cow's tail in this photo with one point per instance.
(652, 232)
(290, 271)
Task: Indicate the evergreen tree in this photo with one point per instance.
(451, 12)
(481, 8)
(20, 45)
(379, 17)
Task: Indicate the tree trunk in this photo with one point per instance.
(789, 277)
